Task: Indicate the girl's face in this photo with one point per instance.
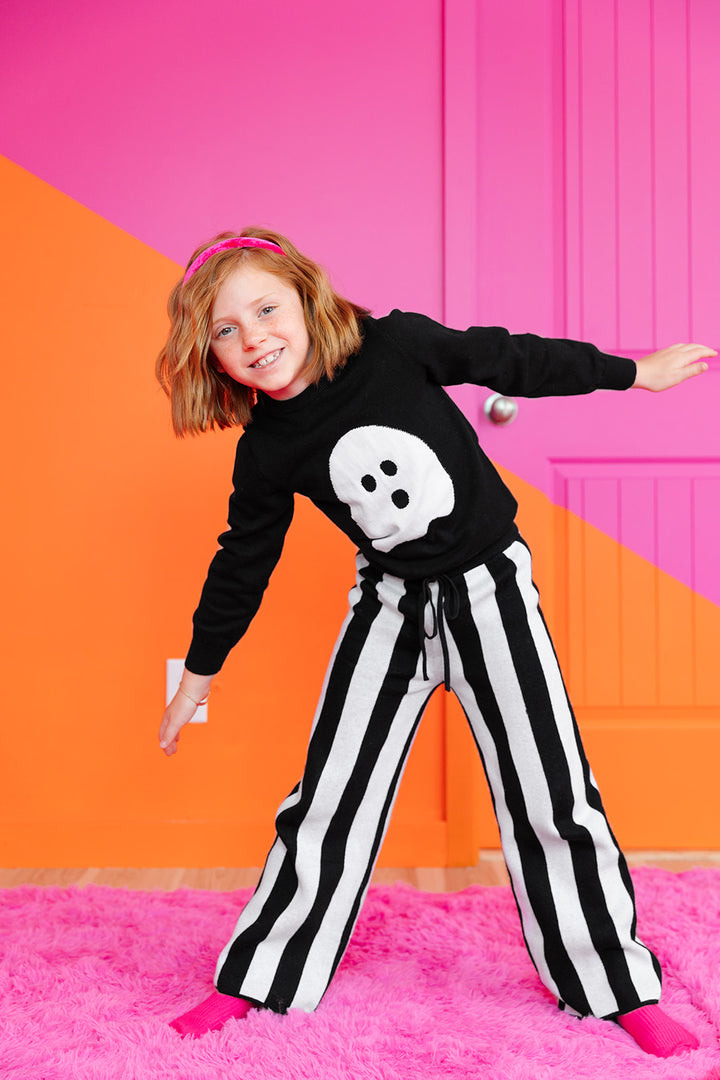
(259, 336)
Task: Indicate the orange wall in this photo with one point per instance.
(113, 523)
(110, 526)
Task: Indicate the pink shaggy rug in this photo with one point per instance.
(432, 986)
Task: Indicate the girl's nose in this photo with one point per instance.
(252, 336)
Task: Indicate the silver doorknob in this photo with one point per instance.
(500, 409)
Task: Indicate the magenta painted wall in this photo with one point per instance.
(175, 119)
(540, 164)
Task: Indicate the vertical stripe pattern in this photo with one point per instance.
(569, 878)
(293, 932)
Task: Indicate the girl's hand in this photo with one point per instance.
(176, 716)
(668, 367)
(182, 709)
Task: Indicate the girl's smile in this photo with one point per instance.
(259, 336)
(264, 361)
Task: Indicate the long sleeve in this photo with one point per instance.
(258, 519)
(524, 365)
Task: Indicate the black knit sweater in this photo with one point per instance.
(385, 453)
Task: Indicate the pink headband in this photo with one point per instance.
(225, 245)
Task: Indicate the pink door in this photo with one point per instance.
(596, 219)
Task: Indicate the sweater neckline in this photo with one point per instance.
(299, 401)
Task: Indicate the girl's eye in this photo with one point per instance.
(224, 331)
(268, 309)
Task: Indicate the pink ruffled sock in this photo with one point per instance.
(211, 1015)
(657, 1033)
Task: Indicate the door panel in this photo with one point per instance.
(655, 626)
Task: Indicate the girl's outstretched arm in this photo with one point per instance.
(668, 367)
(194, 689)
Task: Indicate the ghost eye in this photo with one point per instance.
(400, 498)
(388, 467)
(369, 482)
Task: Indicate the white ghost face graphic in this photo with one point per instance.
(393, 483)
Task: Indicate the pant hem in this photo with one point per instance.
(564, 1007)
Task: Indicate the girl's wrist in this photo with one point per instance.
(195, 687)
(195, 702)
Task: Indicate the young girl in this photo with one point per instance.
(350, 411)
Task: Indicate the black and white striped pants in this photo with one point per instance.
(571, 883)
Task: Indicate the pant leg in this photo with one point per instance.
(570, 880)
(292, 934)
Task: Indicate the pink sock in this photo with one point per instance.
(657, 1033)
(210, 1015)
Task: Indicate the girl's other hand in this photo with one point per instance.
(178, 713)
(669, 367)
(182, 708)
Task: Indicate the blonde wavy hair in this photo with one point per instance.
(201, 396)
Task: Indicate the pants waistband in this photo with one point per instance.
(448, 604)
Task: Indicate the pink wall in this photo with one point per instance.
(175, 120)
(539, 164)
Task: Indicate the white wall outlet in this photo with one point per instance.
(173, 675)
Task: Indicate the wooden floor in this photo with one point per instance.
(490, 870)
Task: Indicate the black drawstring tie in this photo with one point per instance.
(448, 608)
